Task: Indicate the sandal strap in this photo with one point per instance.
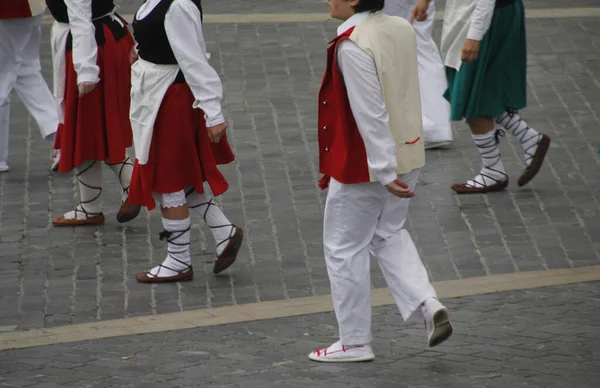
(126, 162)
(208, 205)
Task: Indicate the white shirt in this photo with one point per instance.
(85, 49)
(183, 26)
(367, 104)
(464, 19)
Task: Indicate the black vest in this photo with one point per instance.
(100, 8)
(151, 37)
(58, 9)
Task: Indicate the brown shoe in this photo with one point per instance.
(187, 274)
(463, 188)
(536, 162)
(95, 220)
(229, 254)
(128, 212)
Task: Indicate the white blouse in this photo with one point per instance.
(464, 19)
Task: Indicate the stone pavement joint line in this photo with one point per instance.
(545, 13)
(282, 308)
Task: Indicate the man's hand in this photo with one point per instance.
(217, 132)
(419, 13)
(133, 56)
(399, 189)
(85, 87)
(470, 50)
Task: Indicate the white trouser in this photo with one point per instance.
(432, 75)
(363, 218)
(20, 70)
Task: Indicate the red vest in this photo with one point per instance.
(342, 153)
(14, 9)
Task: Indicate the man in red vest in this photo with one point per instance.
(371, 157)
(20, 32)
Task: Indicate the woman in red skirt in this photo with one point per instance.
(90, 50)
(179, 134)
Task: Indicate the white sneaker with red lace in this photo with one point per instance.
(340, 353)
(437, 321)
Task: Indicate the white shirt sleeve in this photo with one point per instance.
(184, 30)
(481, 19)
(85, 49)
(368, 108)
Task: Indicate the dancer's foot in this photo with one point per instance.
(437, 144)
(232, 246)
(79, 217)
(4, 167)
(340, 353)
(437, 322)
(537, 159)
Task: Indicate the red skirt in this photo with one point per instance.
(181, 154)
(96, 126)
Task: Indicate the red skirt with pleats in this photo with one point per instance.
(96, 126)
(181, 154)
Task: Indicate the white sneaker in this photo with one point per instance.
(340, 353)
(437, 322)
(437, 144)
(3, 167)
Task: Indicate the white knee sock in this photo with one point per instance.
(492, 170)
(123, 171)
(177, 234)
(214, 218)
(527, 136)
(89, 176)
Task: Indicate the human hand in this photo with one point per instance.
(399, 189)
(419, 12)
(216, 132)
(470, 50)
(85, 87)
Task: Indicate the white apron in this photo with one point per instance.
(457, 21)
(149, 84)
(432, 76)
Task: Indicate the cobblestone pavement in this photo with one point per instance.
(545, 338)
(271, 74)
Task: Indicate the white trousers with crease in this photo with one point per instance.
(363, 218)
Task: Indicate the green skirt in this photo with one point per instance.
(497, 80)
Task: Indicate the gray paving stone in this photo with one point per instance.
(522, 338)
(271, 74)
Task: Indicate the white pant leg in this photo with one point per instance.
(433, 83)
(38, 99)
(31, 86)
(4, 124)
(351, 214)
(397, 254)
(9, 67)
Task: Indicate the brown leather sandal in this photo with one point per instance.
(536, 161)
(182, 275)
(229, 254)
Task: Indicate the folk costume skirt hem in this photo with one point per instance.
(497, 80)
(96, 126)
(181, 154)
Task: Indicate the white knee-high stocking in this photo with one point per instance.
(492, 169)
(213, 216)
(527, 136)
(89, 177)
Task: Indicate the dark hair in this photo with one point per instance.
(369, 5)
